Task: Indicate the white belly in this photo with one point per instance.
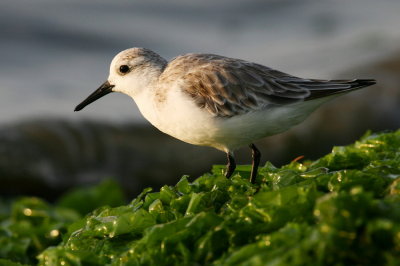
(182, 119)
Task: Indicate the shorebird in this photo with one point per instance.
(216, 101)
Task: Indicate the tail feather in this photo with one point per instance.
(338, 86)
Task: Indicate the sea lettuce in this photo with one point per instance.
(341, 209)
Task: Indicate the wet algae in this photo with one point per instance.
(343, 209)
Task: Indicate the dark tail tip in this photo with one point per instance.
(364, 82)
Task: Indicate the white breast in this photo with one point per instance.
(179, 117)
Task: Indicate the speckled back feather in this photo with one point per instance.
(227, 87)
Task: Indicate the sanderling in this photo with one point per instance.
(216, 101)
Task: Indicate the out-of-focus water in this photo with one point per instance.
(54, 53)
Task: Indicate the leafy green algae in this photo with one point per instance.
(30, 225)
(343, 209)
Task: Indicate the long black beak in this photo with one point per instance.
(104, 89)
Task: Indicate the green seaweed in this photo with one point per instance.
(343, 209)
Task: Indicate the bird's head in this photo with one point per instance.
(131, 72)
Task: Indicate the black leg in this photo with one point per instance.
(256, 155)
(230, 167)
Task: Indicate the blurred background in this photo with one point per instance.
(53, 54)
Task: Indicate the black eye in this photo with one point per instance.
(124, 69)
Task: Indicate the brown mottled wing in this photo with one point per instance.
(227, 87)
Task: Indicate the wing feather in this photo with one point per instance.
(226, 87)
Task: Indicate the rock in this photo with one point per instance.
(46, 157)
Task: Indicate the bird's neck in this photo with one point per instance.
(148, 99)
(146, 103)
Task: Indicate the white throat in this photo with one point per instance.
(146, 104)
